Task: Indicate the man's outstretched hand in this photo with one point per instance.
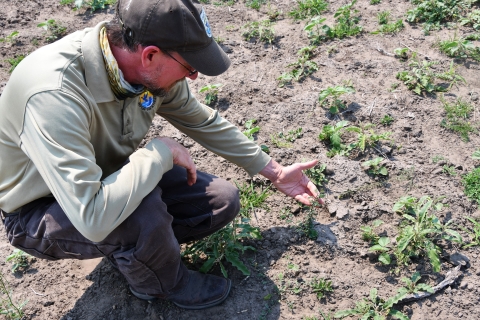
(181, 157)
(292, 181)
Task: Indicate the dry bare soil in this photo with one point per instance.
(286, 261)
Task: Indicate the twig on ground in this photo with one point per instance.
(403, 44)
(38, 294)
(384, 52)
(371, 108)
(450, 277)
(381, 153)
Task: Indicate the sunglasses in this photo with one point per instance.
(191, 72)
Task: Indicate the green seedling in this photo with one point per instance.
(419, 233)
(255, 4)
(383, 17)
(301, 68)
(405, 204)
(307, 227)
(403, 53)
(459, 48)
(286, 214)
(94, 5)
(259, 31)
(317, 174)
(375, 308)
(321, 287)
(471, 183)
(421, 77)
(212, 93)
(14, 62)
(346, 25)
(474, 233)
(450, 170)
(332, 135)
(367, 137)
(250, 129)
(250, 198)
(8, 307)
(374, 167)
(19, 259)
(387, 120)
(434, 13)
(471, 19)
(387, 28)
(374, 1)
(368, 234)
(438, 158)
(412, 285)
(329, 98)
(382, 247)
(308, 8)
(285, 140)
(292, 266)
(11, 38)
(224, 245)
(54, 30)
(457, 118)
(476, 155)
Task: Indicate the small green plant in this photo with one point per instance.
(307, 227)
(284, 140)
(387, 120)
(434, 13)
(403, 53)
(471, 19)
(374, 1)
(321, 287)
(250, 128)
(374, 166)
(330, 98)
(450, 170)
(259, 31)
(301, 68)
(308, 8)
(332, 135)
(375, 308)
(317, 174)
(437, 158)
(346, 25)
(54, 30)
(19, 259)
(8, 307)
(419, 232)
(421, 78)
(474, 233)
(94, 5)
(471, 183)
(255, 4)
(457, 118)
(385, 25)
(382, 246)
(11, 38)
(212, 93)
(476, 155)
(456, 47)
(250, 198)
(14, 62)
(225, 244)
(368, 233)
(412, 285)
(367, 137)
(383, 17)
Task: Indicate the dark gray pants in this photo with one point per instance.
(145, 247)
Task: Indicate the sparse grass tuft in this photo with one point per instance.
(457, 118)
(259, 31)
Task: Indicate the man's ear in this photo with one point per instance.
(150, 56)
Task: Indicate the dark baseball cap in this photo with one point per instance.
(176, 25)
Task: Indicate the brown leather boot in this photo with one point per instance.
(201, 291)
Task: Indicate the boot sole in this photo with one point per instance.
(147, 297)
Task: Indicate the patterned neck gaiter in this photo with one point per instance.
(121, 88)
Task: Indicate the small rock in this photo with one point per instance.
(441, 163)
(48, 303)
(329, 172)
(342, 213)
(437, 171)
(332, 208)
(459, 259)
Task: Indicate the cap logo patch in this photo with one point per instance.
(203, 16)
(146, 101)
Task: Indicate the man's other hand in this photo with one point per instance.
(181, 157)
(292, 181)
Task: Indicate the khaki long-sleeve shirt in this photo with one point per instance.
(64, 134)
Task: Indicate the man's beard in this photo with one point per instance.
(148, 82)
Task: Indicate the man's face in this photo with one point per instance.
(166, 74)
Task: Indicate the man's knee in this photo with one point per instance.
(227, 199)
